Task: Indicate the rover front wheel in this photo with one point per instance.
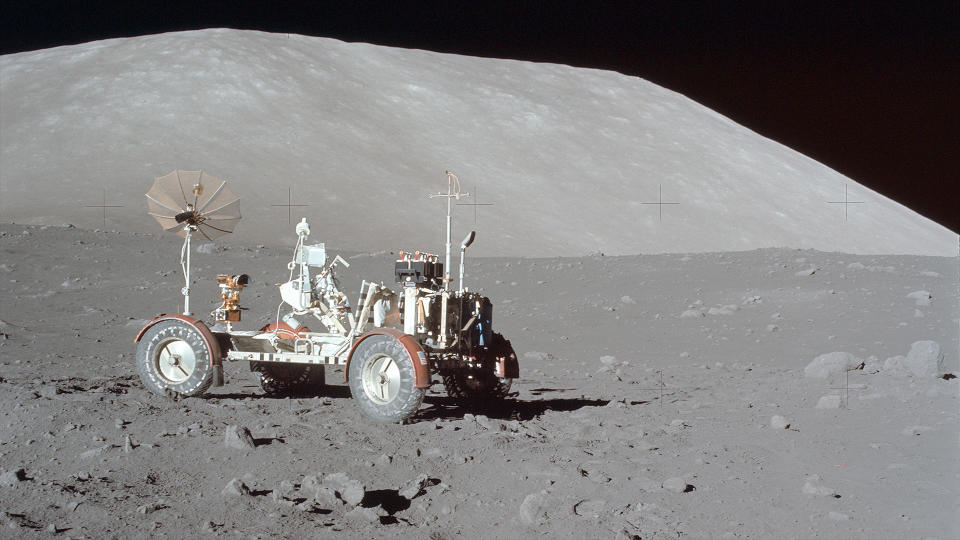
(382, 379)
(173, 359)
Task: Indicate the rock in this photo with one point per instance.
(12, 478)
(830, 364)
(487, 423)
(925, 359)
(93, 452)
(533, 509)
(627, 300)
(813, 487)
(415, 487)
(646, 484)
(151, 508)
(677, 485)
(365, 515)
(589, 508)
(922, 298)
(238, 437)
(309, 485)
(894, 367)
(608, 360)
(829, 402)
(326, 497)
(692, 313)
(348, 490)
(723, 310)
(235, 488)
(284, 488)
(779, 422)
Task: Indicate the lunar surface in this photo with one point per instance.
(758, 394)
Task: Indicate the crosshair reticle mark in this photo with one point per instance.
(660, 202)
(476, 192)
(289, 204)
(846, 202)
(104, 207)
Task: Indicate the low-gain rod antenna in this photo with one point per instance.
(453, 192)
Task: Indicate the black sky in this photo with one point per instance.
(871, 89)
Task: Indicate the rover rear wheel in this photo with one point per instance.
(173, 360)
(290, 379)
(471, 389)
(382, 379)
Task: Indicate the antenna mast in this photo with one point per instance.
(453, 192)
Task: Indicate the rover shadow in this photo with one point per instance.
(330, 391)
(446, 408)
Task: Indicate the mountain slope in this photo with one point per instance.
(569, 158)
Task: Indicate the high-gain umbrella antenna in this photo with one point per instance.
(181, 203)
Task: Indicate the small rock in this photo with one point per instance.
(589, 508)
(779, 422)
(922, 298)
(326, 497)
(151, 508)
(365, 515)
(829, 402)
(533, 509)
(235, 488)
(12, 478)
(349, 490)
(93, 452)
(894, 367)
(925, 359)
(608, 360)
(812, 487)
(284, 488)
(309, 485)
(692, 313)
(829, 364)
(627, 300)
(677, 485)
(238, 437)
(415, 487)
(487, 423)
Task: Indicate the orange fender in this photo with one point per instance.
(420, 365)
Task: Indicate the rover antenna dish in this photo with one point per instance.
(185, 202)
